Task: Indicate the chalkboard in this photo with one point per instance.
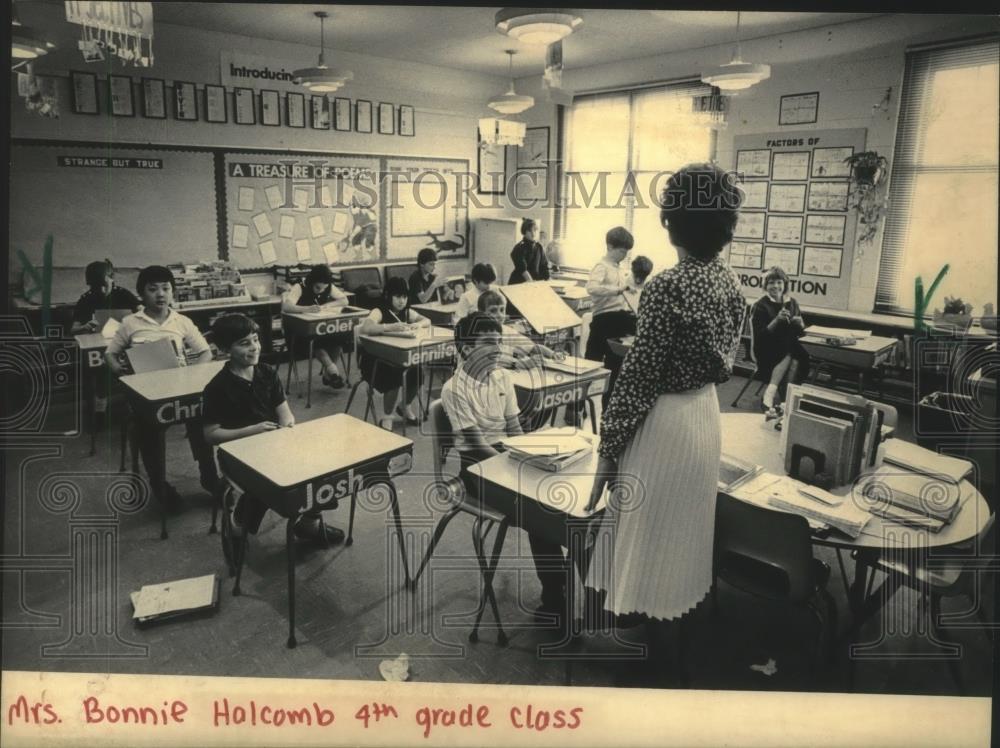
(140, 206)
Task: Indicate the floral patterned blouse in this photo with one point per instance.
(690, 318)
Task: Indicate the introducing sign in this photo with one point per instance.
(246, 71)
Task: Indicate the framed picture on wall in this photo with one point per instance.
(363, 115)
(491, 168)
(185, 101)
(244, 106)
(215, 104)
(320, 113)
(798, 109)
(386, 119)
(270, 108)
(154, 98)
(120, 87)
(534, 153)
(342, 114)
(295, 109)
(84, 92)
(406, 117)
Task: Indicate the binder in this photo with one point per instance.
(153, 356)
(158, 602)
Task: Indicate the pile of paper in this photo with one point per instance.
(552, 449)
(919, 460)
(160, 601)
(837, 332)
(915, 493)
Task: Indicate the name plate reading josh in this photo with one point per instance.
(327, 491)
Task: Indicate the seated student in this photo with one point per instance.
(423, 284)
(103, 294)
(317, 293)
(157, 321)
(484, 275)
(641, 266)
(612, 317)
(482, 406)
(243, 399)
(528, 256)
(493, 304)
(393, 314)
(777, 326)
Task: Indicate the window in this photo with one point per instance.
(621, 148)
(943, 192)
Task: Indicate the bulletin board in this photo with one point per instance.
(795, 213)
(136, 206)
(288, 208)
(426, 206)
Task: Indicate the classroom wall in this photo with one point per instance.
(851, 65)
(447, 102)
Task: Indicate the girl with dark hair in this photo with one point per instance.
(393, 315)
(660, 434)
(528, 256)
(777, 326)
(317, 293)
(102, 294)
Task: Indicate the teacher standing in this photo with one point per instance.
(660, 435)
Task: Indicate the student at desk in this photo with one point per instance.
(484, 275)
(103, 294)
(423, 284)
(392, 315)
(154, 322)
(492, 304)
(243, 399)
(317, 293)
(528, 256)
(482, 406)
(777, 326)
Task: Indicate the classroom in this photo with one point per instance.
(687, 317)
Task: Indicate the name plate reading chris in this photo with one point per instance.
(178, 410)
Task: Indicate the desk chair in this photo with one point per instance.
(364, 283)
(293, 364)
(955, 577)
(452, 490)
(400, 271)
(746, 340)
(769, 554)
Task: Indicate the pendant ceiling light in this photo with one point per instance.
(736, 75)
(322, 79)
(25, 44)
(537, 25)
(511, 102)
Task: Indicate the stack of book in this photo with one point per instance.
(158, 602)
(552, 450)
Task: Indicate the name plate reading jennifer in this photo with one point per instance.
(430, 353)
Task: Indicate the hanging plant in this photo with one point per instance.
(867, 195)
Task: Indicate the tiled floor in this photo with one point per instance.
(351, 610)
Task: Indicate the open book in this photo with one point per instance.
(170, 599)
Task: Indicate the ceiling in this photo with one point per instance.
(465, 38)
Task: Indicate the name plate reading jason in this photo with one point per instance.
(555, 391)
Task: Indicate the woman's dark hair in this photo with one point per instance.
(776, 273)
(154, 274)
(230, 328)
(699, 208)
(97, 271)
(395, 287)
(471, 326)
(527, 224)
(642, 266)
(484, 272)
(488, 299)
(318, 274)
(426, 255)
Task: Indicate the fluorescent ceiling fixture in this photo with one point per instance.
(495, 131)
(537, 25)
(24, 43)
(511, 102)
(736, 75)
(322, 79)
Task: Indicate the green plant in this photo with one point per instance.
(868, 170)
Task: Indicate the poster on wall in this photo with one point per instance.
(422, 209)
(807, 227)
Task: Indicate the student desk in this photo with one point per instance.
(748, 437)
(545, 387)
(168, 397)
(576, 298)
(335, 457)
(432, 345)
(438, 313)
(309, 326)
(92, 346)
(866, 354)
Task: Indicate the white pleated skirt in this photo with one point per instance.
(654, 547)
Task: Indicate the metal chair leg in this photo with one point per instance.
(438, 532)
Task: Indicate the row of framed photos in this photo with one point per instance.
(250, 107)
(790, 229)
(824, 262)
